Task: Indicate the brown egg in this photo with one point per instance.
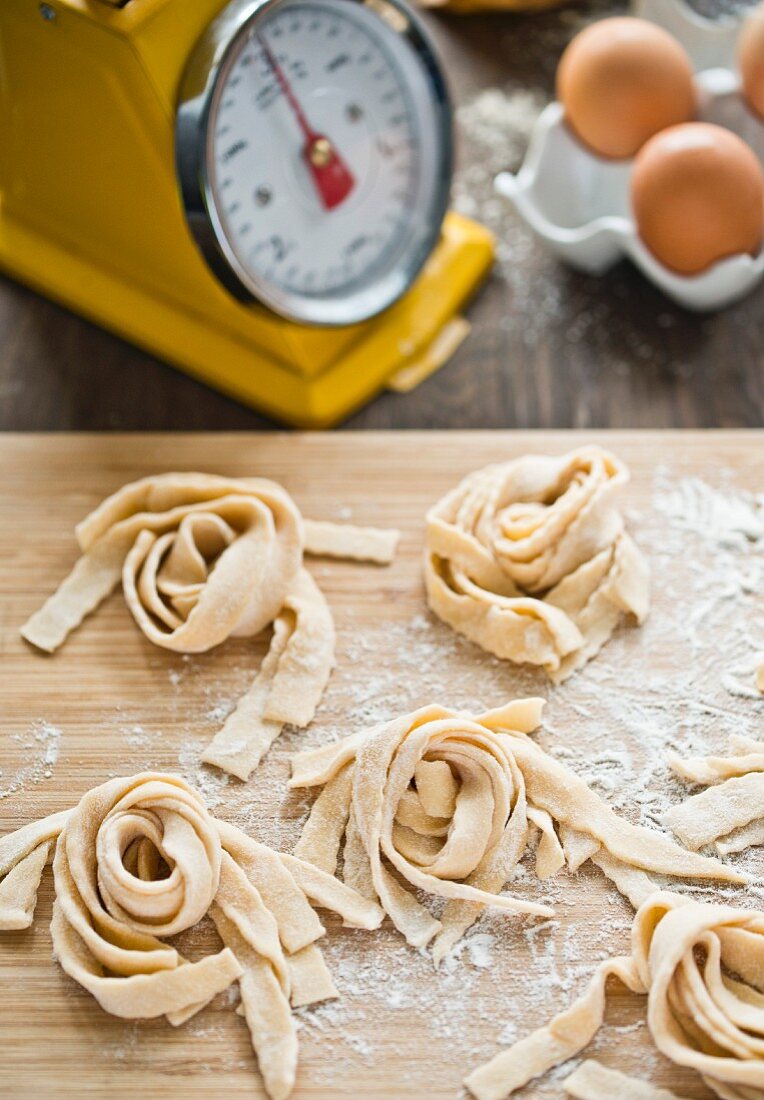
(751, 59)
(697, 192)
(621, 81)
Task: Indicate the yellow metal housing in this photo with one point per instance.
(90, 214)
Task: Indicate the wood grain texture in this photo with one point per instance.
(550, 348)
(123, 705)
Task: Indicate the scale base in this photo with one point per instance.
(397, 349)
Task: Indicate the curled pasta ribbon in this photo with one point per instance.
(702, 969)
(530, 559)
(202, 559)
(450, 803)
(140, 859)
(730, 813)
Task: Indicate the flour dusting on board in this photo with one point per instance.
(40, 748)
(682, 681)
(685, 680)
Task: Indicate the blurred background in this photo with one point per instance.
(549, 347)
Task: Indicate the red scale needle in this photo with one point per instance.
(332, 178)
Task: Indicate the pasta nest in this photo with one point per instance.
(701, 966)
(448, 803)
(201, 559)
(141, 859)
(530, 559)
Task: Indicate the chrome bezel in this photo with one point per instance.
(207, 64)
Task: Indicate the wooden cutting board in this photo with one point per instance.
(111, 704)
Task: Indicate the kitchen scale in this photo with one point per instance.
(255, 191)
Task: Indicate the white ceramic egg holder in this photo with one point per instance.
(578, 203)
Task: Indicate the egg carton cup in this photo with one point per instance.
(578, 203)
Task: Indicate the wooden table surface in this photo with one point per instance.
(111, 703)
(549, 348)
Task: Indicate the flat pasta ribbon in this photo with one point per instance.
(449, 803)
(205, 558)
(530, 559)
(702, 969)
(593, 1081)
(140, 859)
(730, 813)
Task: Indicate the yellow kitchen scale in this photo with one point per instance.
(255, 191)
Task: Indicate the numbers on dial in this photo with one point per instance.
(316, 87)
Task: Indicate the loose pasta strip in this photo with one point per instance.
(730, 812)
(333, 540)
(593, 1081)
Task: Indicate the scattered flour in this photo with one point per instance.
(681, 681)
(137, 737)
(716, 516)
(496, 127)
(220, 711)
(210, 782)
(40, 746)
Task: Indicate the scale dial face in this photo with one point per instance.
(314, 154)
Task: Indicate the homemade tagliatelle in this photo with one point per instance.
(204, 558)
(730, 813)
(531, 560)
(702, 968)
(593, 1081)
(448, 803)
(140, 859)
